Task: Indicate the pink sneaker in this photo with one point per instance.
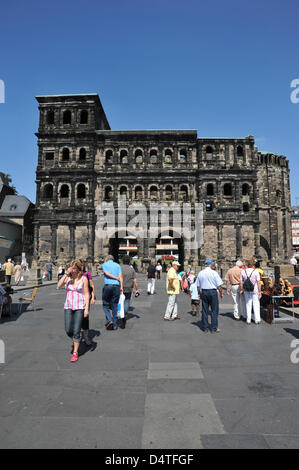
(74, 357)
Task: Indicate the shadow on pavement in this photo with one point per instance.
(83, 348)
(292, 332)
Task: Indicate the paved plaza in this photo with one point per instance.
(154, 385)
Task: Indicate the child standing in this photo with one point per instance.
(195, 299)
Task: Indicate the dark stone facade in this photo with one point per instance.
(81, 163)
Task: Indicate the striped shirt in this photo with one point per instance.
(75, 298)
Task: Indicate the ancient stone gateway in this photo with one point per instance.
(82, 163)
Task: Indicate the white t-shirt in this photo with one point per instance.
(293, 261)
(194, 291)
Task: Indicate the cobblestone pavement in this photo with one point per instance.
(156, 384)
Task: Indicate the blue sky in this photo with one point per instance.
(221, 67)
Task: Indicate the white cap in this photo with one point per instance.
(176, 263)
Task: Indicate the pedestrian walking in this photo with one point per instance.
(173, 290)
(251, 286)
(293, 262)
(49, 268)
(209, 284)
(76, 304)
(9, 269)
(91, 290)
(151, 276)
(159, 270)
(113, 287)
(18, 273)
(129, 281)
(233, 281)
(195, 299)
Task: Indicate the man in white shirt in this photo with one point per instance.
(209, 284)
(293, 261)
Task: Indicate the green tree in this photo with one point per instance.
(6, 178)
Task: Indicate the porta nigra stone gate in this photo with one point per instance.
(82, 163)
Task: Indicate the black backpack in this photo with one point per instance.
(248, 285)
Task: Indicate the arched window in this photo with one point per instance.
(154, 193)
(240, 151)
(183, 155)
(210, 189)
(67, 117)
(138, 156)
(245, 189)
(81, 191)
(50, 117)
(168, 193)
(123, 157)
(209, 151)
(153, 156)
(123, 191)
(65, 154)
(109, 156)
(84, 117)
(245, 207)
(108, 193)
(48, 192)
(138, 193)
(227, 189)
(50, 156)
(168, 156)
(82, 154)
(64, 191)
(184, 193)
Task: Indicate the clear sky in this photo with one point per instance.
(221, 67)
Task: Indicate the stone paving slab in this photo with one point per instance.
(233, 441)
(168, 416)
(174, 370)
(244, 396)
(70, 433)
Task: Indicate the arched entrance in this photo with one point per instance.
(170, 247)
(120, 246)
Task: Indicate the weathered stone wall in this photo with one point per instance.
(245, 194)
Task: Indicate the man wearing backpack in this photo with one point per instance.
(251, 286)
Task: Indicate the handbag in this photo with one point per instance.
(120, 307)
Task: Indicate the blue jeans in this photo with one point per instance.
(209, 298)
(72, 322)
(110, 298)
(127, 302)
(49, 276)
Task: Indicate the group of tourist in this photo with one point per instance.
(12, 268)
(242, 282)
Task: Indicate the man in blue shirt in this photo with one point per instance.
(113, 286)
(209, 283)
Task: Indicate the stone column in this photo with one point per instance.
(53, 241)
(72, 240)
(238, 240)
(90, 256)
(220, 241)
(36, 241)
(257, 240)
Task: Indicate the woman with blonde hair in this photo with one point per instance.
(76, 305)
